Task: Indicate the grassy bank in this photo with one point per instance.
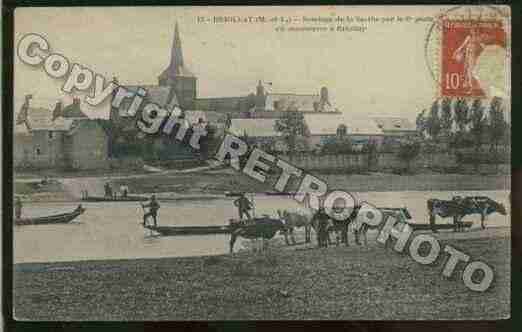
(333, 283)
(228, 180)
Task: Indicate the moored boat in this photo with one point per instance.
(114, 199)
(427, 227)
(189, 230)
(54, 219)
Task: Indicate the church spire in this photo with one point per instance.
(176, 66)
(176, 54)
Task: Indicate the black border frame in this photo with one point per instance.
(8, 8)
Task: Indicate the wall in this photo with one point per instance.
(88, 146)
(51, 149)
(384, 161)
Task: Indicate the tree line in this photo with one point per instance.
(464, 124)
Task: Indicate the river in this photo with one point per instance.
(111, 230)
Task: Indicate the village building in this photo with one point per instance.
(63, 138)
(396, 126)
(253, 116)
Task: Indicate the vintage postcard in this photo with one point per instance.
(262, 163)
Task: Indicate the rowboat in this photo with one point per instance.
(56, 219)
(427, 227)
(189, 230)
(206, 230)
(115, 199)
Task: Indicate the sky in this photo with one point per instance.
(381, 71)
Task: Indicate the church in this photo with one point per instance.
(177, 86)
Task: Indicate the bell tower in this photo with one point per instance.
(178, 76)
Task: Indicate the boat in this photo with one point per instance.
(427, 227)
(277, 193)
(55, 219)
(115, 199)
(189, 230)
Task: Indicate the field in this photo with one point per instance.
(334, 283)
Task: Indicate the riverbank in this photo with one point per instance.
(333, 283)
(218, 182)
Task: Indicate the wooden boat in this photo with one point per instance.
(56, 219)
(427, 227)
(114, 199)
(277, 193)
(204, 230)
(189, 230)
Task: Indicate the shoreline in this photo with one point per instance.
(354, 282)
(212, 185)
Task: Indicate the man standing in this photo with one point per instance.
(18, 208)
(124, 190)
(321, 218)
(243, 206)
(153, 210)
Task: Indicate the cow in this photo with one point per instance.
(262, 227)
(294, 220)
(459, 207)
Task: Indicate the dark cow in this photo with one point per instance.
(263, 227)
(294, 220)
(459, 207)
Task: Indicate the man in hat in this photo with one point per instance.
(153, 210)
(243, 206)
(322, 219)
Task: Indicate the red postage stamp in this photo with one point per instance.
(463, 42)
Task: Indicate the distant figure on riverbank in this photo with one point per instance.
(124, 190)
(153, 211)
(322, 219)
(108, 190)
(18, 208)
(243, 206)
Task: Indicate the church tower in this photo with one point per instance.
(178, 76)
(260, 96)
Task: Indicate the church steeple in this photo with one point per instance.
(176, 66)
(176, 54)
(178, 76)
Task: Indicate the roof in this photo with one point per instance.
(327, 124)
(394, 124)
(304, 103)
(193, 116)
(41, 119)
(223, 104)
(73, 111)
(254, 127)
(84, 123)
(159, 94)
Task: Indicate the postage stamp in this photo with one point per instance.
(463, 44)
(261, 163)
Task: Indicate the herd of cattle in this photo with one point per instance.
(456, 208)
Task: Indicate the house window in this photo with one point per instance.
(51, 135)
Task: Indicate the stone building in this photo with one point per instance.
(62, 139)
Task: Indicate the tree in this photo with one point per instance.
(293, 128)
(498, 125)
(446, 120)
(409, 151)
(478, 126)
(462, 119)
(420, 121)
(433, 125)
